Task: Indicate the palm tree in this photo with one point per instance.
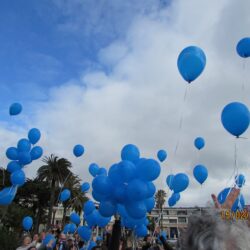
(77, 198)
(160, 199)
(55, 172)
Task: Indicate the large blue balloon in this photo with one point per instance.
(136, 210)
(92, 218)
(34, 135)
(150, 189)
(162, 155)
(102, 184)
(180, 182)
(171, 201)
(115, 175)
(102, 171)
(89, 207)
(120, 193)
(15, 109)
(191, 62)
(24, 158)
(103, 221)
(200, 173)
(27, 223)
(150, 204)
(240, 180)
(36, 152)
(127, 170)
(72, 228)
(48, 238)
(149, 170)
(7, 195)
(176, 197)
(99, 197)
(85, 187)
(239, 203)
(243, 47)
(93, 169)
(23, 145)
(137, 190)
(13, 166)
(130, 153)
(17, 178)
(12, 153)
(84, 232)
(235, 118)
(65, 195)
(78, 150)
(199, 143)
(107, 208)
(75, 218)
(169, 180)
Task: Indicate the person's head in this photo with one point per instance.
(70, 241)
(26, 240)
(35, 237)
(62, 237)
(211, 232)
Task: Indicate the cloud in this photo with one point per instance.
(140, 99)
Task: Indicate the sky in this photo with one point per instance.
(104, 74)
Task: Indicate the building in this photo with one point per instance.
(174, 218)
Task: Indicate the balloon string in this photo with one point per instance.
(181, 120)
(63, 186)
(244, 77)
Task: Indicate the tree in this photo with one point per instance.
(77, 198)
(160, 199)
(55, 171)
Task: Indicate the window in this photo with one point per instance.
(172, 212)
(173, 221)
(182, 220)
(182, 212)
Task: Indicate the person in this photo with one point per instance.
(26, 243)
(62, 242)
(70, 244)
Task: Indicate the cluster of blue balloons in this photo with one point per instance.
(22, 155)
(127, 189)
(191, 62)
(177, 183)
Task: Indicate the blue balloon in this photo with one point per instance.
(15, 109)
(130, 153)
(65, 195)
(89, 207)
(92, 244)
(162, 155)
(24, 158)
(27, 223)
(102, 222)
(48, 238)
(107, 208)
(12, 153)
(151, 189)
(102, 184)
(240, 180)
(150, 204)
(93, 169)
(85, 187)
(137, 190)
(84, 232)
(243, 47)
(102, 171)
(78, 150)
(13, 166)
(18, 178)
(23, 145)
(200, 173)
(92, 218)
(72, 228)
(136, 210)
(120, 193)
(141, 231)
(115, 175)
(235, 118)
(99, 197)
(180, 182)
(121, 210)
(34, 135)
(66, 229)
(149, 170)
(36, 152)
(191, 62)
(176, 197)
(75, 218)
(127, 170)
(199, 143)
(7, 195)
(171, 201)
(169, 181)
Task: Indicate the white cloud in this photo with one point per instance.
(141, 100)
